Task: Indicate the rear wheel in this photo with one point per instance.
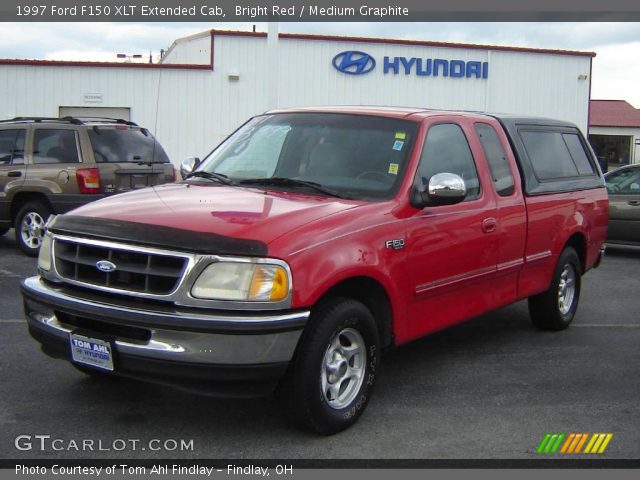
(332, 375)
(555, 308)
(29, 226)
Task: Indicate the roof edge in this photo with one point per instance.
(67, 63)
(423, 43)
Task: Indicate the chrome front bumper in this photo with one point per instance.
(174, 337)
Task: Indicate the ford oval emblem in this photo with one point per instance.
(106, 266)
(353, 62)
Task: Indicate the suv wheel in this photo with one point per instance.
(29, 226)
(332, 376)
(555, 308)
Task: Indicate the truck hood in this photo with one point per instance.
(236, 212)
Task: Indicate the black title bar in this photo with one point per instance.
(316, 10)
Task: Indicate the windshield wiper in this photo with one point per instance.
(291, 182)
(216, 177)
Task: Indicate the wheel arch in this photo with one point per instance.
(373, 295)
(578, 242)
(21, 198)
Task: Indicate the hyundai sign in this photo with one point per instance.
(353, 62)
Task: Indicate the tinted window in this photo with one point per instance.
(55, 146)
(579, 156)
(497, 159)
(446, 151)
(124, 144)
(549, 154)
(12, 147)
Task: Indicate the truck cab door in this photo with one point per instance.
(511, 211)
(452, 250)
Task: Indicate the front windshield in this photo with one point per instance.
(355, 156)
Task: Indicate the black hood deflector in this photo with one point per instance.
(155, 236)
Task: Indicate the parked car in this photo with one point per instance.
(623, 185)
(310, 240)
(53, 165)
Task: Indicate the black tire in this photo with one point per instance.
(29, 240)
(546, 309)
(335, 327)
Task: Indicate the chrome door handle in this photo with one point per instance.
(633, 203)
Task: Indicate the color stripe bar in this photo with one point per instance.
(567, 443)
(556, 445)
(543, 443)
(607, 439)
(591, 442)
(550, 443)
(573, 445)
(584, 439)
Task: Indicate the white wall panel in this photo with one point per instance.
(195, 109)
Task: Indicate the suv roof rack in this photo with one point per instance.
(42, 120)
(71, 120)
(104, 120)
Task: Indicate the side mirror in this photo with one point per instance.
(443, 189)
(188, 165)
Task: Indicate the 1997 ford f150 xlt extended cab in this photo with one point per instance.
(310, 240)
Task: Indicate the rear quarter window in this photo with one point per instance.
(556, 155)
(119, 145)
(55, 146)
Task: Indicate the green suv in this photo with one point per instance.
(53, 165)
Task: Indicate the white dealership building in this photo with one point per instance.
(208, 84)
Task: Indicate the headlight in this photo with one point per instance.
(252, 282)
(44, 256)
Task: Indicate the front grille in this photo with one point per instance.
(136, 271)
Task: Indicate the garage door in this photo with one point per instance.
(100, 112)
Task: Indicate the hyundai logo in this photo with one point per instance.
(106, 266)
(354, 62)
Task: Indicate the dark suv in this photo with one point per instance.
(53, 165)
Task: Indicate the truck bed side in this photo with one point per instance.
(560, 211)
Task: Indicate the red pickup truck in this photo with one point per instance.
(312, 239)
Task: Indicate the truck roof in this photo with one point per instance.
(417, 113)
(512, 126)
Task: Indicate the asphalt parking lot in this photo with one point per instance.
(491, 388)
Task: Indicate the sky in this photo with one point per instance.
(616, 70)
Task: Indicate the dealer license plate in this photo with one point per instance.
(91, 351)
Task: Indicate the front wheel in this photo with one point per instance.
(332, 376)
(555, 308)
